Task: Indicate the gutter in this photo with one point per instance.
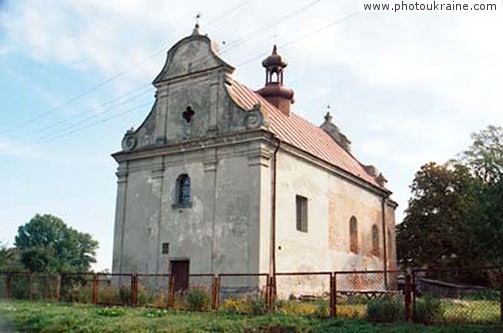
(272, 268)
(385, 249)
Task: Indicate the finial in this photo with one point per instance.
(274, 49)
(328, 117)
(196, 27)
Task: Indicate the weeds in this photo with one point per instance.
(386, 309)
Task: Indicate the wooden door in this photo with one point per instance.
(180, 271)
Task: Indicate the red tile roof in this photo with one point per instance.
(300, 133)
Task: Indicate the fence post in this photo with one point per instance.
(134, 290)
(273, 292)
(413, 291)
(407, 292)
(95, 289)
(215, 292)
(333, 295)
(8, 285)
(268, 294)
(171, 291)
(501, 296)
(58, 287)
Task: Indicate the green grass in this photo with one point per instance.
(35, 317)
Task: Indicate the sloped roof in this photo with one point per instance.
(300, 133)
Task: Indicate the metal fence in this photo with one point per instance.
(427, 296)
(473, 295)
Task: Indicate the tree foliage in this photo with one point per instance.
(433, 232)
(455, 214)
(9, 259)
(47, 244)
(485, 155)
(485, 160)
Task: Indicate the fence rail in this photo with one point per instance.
(420, 295)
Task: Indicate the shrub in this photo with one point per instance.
(198, 299)
(124, 294)
(385, 309)
(232, 305)
(78, 294)
(256, 305)
(428, 309)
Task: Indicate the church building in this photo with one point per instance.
(220, 178)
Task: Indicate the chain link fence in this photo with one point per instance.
(243, 293)
(304, 293)
(458, 296)
(425, 296)
(365, 293)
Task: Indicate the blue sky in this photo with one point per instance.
(407, 88)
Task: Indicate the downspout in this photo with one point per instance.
(385, 249)
(272, 268)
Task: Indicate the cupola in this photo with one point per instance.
(274, 91)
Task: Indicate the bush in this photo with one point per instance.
(428, 309)
(386, 309)
(78, 294)
(232, 305)
(256, 305)
(198, 299)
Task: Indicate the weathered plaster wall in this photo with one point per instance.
(332, 201)
(220, 232)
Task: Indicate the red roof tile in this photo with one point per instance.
(300, 133)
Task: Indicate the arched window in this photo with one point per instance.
(390, 244)
(375, 240)
(353, 235)
(183, 190)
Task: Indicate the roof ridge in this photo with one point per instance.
(302, 134)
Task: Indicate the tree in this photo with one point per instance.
(485, 155)
(484, 158)
(434, 232)
(9, 259)
(455, 215)
(47, 244)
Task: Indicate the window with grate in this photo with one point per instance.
(301, 208)
(390, 244)
(165, 248)
(353, 235)
(375, 240)
(183, 190)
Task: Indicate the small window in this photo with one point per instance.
(375, 240)
(301, 207)
(353, 235)
(183, 190)
(165, 248)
